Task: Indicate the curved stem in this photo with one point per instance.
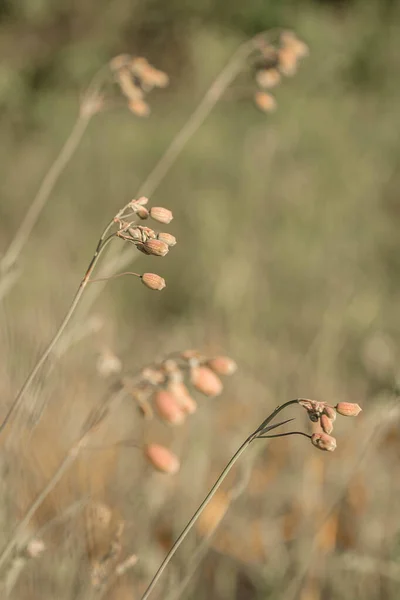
(196, 515)
(18, 399)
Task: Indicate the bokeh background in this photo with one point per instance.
(287, 260)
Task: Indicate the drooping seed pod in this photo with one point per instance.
(323, 441)
(167, 238)
(162, 459)
(330, 412)
(265, 102)
(179, 390)
(205, 381)
(222, 365)
(287, 61)
(142, 212)
(155, 247)
(268, 78)
(161, 214)
(139, 107)
(153, 281)
(348, 409)
(326, 424)
(168, 407)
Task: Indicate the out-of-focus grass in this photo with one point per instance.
(287, 259)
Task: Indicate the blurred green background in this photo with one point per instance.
(288, 254)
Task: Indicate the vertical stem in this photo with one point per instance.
(196, 515)
(18, 399)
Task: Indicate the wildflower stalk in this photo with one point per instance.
(260, 432)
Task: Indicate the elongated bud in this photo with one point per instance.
(161, 214)
(162, 459)
(168, 408)
(222, 365)
(326, 424)
(348, 409)
(265, 102)
(287, 61)
(184, 399)
(268, 78)
(142, 212)
(323, 441)
(167, 238)
(330, 412)
(153, 281)
(206, 381)
(139, 107)
(155, 247)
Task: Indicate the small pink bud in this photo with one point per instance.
(184, 399)
(326, 423)
(222, 365)
(155, 247)
(265, 101)
(142, 212)
(168, 407)
(167, 238)
(323, 441)
(330, 412)
(162, 459)
(206, 381)
(348, 409)
(139, 107)
(153, 281)
(161, 214)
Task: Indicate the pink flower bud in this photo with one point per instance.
(153, 281)
(162, 459)
(265, 102)
(167, 238)
(184, 399)
(323, 441)
(206, 381)
(326, 423)
(168, 407)
(161, 214)
(155, 247)
(348, 409)
(330, 412)
(222, 365)
(142, 212)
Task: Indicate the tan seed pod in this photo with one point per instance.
(167, 238)
(287, 61)
(184, 399)
(265, 102)
(140, 108)
(323, 441)
(154, 77)
(153, 281)
(326, 424)
(142, 212)
(222, 365)
(168, 407)
(268, 78)
(330, 412)
(205, 381)
(162, 459)
(348, 409)
(161, 214)
(155, 247)
(290, 40)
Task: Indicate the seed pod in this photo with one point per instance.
(168, 407)
(153, 281)
(206, 381)
(184, 399)
(287, 61)
(268, 78)
(348, 409)
(122, 60)
(139, 107)
(161, 214)
(162, 459)
(155, 247)
(142, 212)
(323, 441)
(167, 238)
(326, 424)
(222, 365)
(265, 102)
(330, 412)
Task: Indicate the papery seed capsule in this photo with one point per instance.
(184, 399)
(206, 381)
(168, 407)
(223, 365)
(348, 409)
(268, 78)
(326, 424)
(161, 214)
(323, 441)
(142, 212)
(139, 107)
(167, 238)
(153, 281)
(162, 459)
(265, 101)
(330, 412)
(155, 247)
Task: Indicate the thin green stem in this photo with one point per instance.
(103, 241)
